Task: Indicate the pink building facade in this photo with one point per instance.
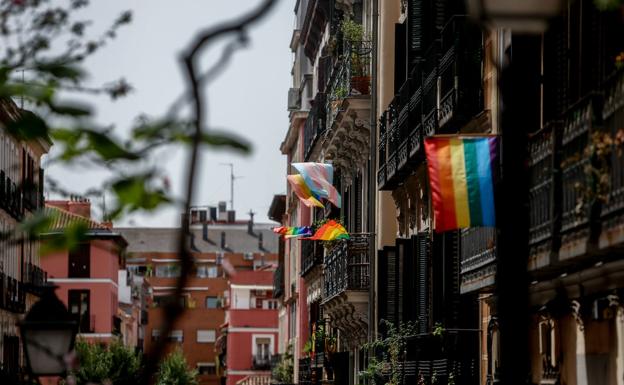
(87, 277)
(251, 323)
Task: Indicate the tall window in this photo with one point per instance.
(168, 271)
(80, 261)
(206, 336)
(263, 347)
(206, 271)
(213, 303)
(79, 308)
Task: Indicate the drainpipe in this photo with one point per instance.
(372, 183)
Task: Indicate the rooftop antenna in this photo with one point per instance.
(232, 178)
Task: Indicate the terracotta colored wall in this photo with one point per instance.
(104, 261)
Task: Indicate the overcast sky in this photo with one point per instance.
(249, 98)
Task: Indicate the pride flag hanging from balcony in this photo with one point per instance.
(319, 177)
(302, 191)
(291, 232)
(330, 231)
(462, 173)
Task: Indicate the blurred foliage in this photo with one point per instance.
(45, 44)
(608, 5)
(174, 370)
(114, 364)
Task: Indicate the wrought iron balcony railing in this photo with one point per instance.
(311, 255)
(12, 294)
(478, 257)
(10, 196)
(350, 77)
(260, 362)
(347, 266)
(315, 124)
(305, 371)
(34, 278)
(278, 281)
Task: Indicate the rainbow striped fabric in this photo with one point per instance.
(319, 178)
(462, 173)
(302, 190)
(292, 232)
(330, 231)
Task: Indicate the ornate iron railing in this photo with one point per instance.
(478, 257)
(315, 124)
(347, 266)
(311, 255)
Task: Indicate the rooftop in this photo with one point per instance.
(237, 239)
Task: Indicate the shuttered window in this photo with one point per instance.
(206, 336)
(423, 274)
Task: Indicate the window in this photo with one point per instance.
(206, 368)
(155, 334)
(138, 270)
(161, 300)
(263, 347)
(292, 321)
(78, 301)
(206, 336)
(213, 303)
(80, 261)
(205, 271)
(176, 336)
(269, 304)
(168, 271)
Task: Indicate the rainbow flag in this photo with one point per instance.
(291, 232)
(319, 178)
(462, 172)
(303, 192)
(330, 231)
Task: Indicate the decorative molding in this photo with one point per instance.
(575, 307)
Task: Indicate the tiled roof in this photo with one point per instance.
(257, 277)
(237, 239)
(63, 219)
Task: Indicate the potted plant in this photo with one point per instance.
(353, 34)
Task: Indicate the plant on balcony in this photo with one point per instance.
(116, 364)
(392, 351)
(596, 188)
(354, 36)
(174, 370)
(283, 372)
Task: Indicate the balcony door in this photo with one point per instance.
(79, 261)
(80, 309)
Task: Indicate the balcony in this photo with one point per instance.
(278, 281)
(347, 280)
(260, 362)
(34, 278)
(314, 127)
(544, 185)
(460, 74)
(348, 109)
(305, 371)
(316, 16)
(10, 196)
(478, 258)
(311, 256)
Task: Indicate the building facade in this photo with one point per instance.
(21, 194)
(250, 327)
(220, 246)
(87, 276)
(434, 71)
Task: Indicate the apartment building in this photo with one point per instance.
(21, 194)
(221, 246)
(87, 276)
(250, 327)
(434, 71)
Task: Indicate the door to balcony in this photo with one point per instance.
(79, 261)
(80, 309)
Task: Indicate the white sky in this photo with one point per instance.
(249, 98)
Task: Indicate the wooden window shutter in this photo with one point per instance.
(437, 278)
(422, 277)
(417, 34)
(400, 56)
(358, 203)
(409, 273)
(555, 70)
(451, 277)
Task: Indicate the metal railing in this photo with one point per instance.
(278, 281)
(350, 77)
(315, 124)
(311, 255)
(347, 266)
(260, 362)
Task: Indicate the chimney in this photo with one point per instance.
(250, 224)
(231, 216)
(223, 240)
(79, 206)
(222, 211)
(260, 245)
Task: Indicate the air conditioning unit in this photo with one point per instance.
(248, 257)
(294, 99)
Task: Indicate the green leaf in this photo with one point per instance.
(106, 148)
(134, 194)
(68, 239)
(28, 126)
(61, 70)
(222, 139)
(70, 109)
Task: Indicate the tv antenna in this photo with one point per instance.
(232, 178)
